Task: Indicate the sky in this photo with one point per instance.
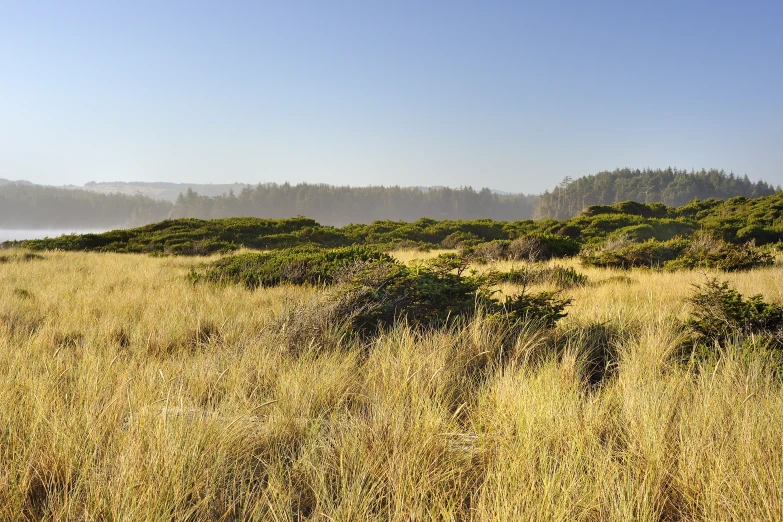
(514, 96)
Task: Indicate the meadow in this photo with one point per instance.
(127, 392)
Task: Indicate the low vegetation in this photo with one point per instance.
(296, 266)
(128, 392)
(721, 315)
(702, 250)
(373, 291)
(736, 234)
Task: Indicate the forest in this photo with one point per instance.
(36, 206)
(669, 186)
(343, 205)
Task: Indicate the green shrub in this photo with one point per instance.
(641, 232)
(490, 251)
(376, 294)
(561, 277)
(702, 251)
(543, 308)
(460, 239)
(537, 247)
(721, 315)
(626, 254)
(372, 295)
(707, 251)
(304, 265)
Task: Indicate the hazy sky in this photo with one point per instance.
(510, 95)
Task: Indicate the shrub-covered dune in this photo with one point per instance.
(736, 221)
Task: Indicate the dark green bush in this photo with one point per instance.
(561, 277)
(376, 294)
(373, 294)
(460, 240)
(304, 265)
(538, 247)
(704, 250)
(721, 315)
(544, 308)
(490, 251)
(624, 253)
(707, 251)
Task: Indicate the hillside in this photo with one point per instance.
(670, 186)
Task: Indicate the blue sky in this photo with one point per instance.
(510, 95)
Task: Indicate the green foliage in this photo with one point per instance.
(621, 190)
(543, 308)
(536, 247)
(703, 250)
(490, 251)
(198, 237)
(448, 263)
(624, 253)
(297, 266)
(372, 291)
(376, 294)
(624, 235)
(637, 233)
(460, 239)
(379, 293)
(721, 256)
(721, 315)
(561, 277)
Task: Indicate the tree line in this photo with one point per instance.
(339, 206)
(669, 186)
(36, 206)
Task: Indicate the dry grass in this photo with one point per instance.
(128, 394)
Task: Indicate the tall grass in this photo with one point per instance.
(126, 393)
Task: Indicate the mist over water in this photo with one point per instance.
(14, 234)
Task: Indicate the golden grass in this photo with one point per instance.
(126, 393)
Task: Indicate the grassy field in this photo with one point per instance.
(127, 393)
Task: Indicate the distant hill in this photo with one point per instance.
(4, 182)
(671, 187)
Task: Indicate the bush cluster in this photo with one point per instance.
(370, 290)
(532, 247)
(303, 265)
(376, 294)
(720, 314)
(559, 276)
(703, 250)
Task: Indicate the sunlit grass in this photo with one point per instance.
(127, 393)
